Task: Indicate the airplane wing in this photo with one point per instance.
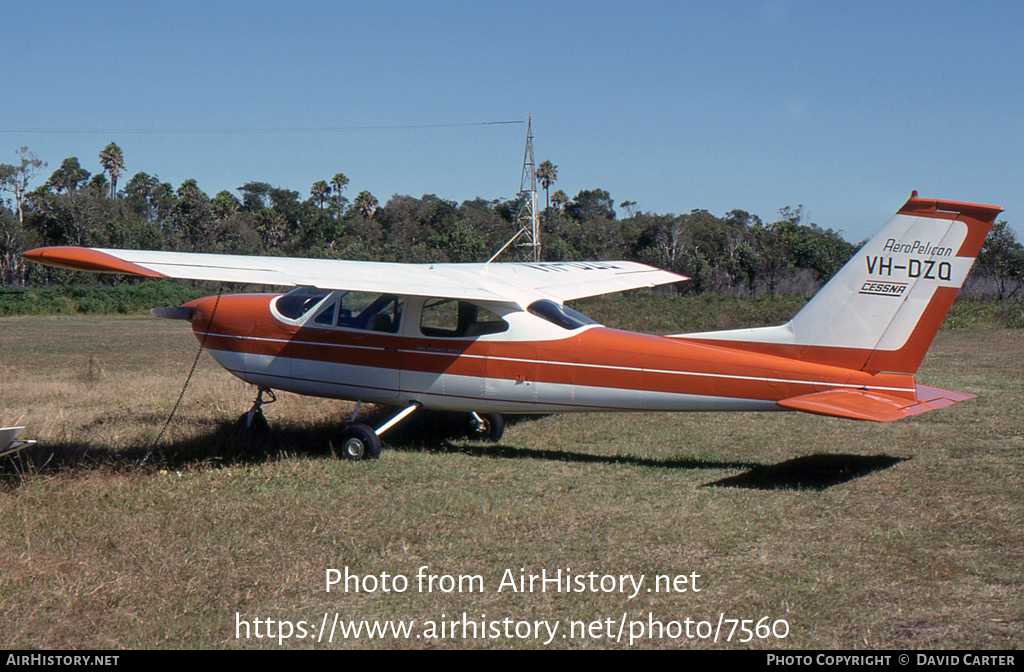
(568, 280)
(504, 282)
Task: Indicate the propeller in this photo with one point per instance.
(173, 313)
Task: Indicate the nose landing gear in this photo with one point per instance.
(252, 421)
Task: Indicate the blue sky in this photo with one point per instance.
(844, 107)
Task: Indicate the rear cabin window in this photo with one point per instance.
(451, 318)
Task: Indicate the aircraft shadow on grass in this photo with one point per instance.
(811, 472)
(224, 443)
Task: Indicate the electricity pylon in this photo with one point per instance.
(527, 222)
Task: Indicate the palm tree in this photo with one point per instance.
(547, 173)
(112, 162)
(99, 184)
(320, 192)
(338, 183)
(365, 203)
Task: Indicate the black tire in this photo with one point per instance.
(359, 442)
(252, 423)
(491, 427)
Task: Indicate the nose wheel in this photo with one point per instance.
(252, 422)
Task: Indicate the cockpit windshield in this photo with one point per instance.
(300, 301)
(563, 316)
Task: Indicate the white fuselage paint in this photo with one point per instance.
(450, 392)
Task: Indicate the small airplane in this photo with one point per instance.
(493, 339)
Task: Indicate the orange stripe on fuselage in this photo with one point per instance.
(597, 357)
(907, 358)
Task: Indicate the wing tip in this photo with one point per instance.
(86, 259)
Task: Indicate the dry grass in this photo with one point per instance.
(860, 535)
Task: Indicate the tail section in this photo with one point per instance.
(881, 311)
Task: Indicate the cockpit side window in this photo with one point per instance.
(451, 318)
(326, 316)
(556, 313)
(372, 312)
(348, 310)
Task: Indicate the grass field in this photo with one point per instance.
(857, 535)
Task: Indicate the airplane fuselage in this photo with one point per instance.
(531, 366)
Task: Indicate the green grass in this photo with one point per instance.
(94, 299)
(860, 535)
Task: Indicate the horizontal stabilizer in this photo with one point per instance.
(875, 406)
(9, 442)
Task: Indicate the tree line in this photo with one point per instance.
(736, 253)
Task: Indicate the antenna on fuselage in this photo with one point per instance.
(526, 218)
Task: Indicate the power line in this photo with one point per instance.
(247, 131)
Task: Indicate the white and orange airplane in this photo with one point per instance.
(489, 339)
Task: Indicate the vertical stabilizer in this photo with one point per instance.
(881, 311)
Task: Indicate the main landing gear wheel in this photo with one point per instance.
(486, 426)
(360, 442)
